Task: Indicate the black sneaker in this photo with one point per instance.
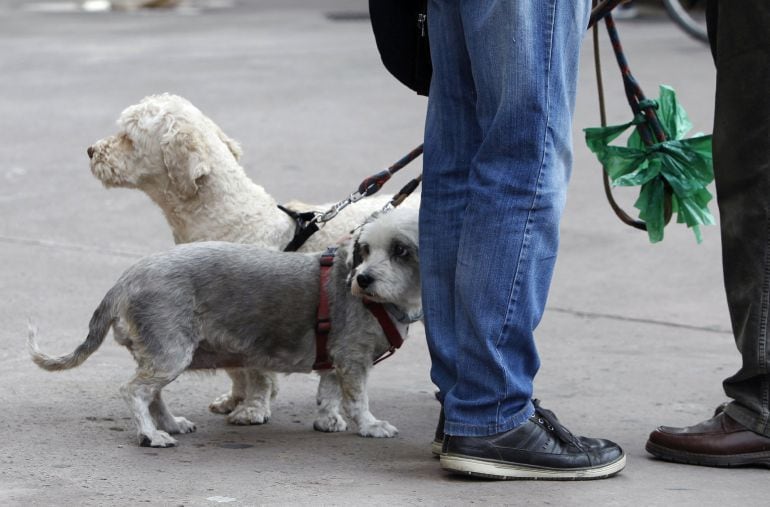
(541, 448)
(438, 439)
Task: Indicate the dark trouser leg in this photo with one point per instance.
(742, 171)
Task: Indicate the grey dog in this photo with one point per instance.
(215, 304)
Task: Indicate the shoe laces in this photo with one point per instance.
(548, 419)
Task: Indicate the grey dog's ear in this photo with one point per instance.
(186, 159)
(352, 254)
(353, 258)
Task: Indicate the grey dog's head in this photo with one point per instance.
(163, 142)
(384, 263)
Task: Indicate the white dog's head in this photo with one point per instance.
(163, 142)
(384, 262)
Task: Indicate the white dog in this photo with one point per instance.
(183, 161)
(213, 304)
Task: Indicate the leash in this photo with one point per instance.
(601, 9)
(645, 117)
(310, 222)
(323, 319)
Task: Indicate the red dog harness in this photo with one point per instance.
(323, 322)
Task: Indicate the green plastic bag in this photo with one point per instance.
(685, 164)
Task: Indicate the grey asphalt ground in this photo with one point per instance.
(635, 335)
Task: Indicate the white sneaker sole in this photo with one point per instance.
(501, 470)
(435, 448)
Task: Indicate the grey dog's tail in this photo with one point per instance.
(100, 324)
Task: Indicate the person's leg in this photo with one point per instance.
(739, 434)
(742, 175)
(451, 138)
(509, 195)
(524, 64)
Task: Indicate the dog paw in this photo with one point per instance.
(177, 425)
(248, 414)
(330, 424)
(157, 439)
(378, 429)
(224, 404)
(184, 425)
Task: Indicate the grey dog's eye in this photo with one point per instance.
(400, 251)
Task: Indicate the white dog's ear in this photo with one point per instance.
(186, 159)
(232, 145)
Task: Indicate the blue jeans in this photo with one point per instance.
(498, 155)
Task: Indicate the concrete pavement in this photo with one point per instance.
(636, 335)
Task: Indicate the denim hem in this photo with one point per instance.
(749, 419)
(473, 430)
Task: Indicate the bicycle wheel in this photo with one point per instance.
(690, 15)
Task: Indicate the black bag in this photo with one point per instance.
(401, 32)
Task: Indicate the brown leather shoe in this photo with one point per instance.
(718, 442)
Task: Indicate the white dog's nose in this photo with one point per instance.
(90, 152)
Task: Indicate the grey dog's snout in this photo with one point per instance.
(364, 280)
(90, 152)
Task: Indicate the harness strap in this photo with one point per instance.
(323, 321)
(306, 226)
(386, 323)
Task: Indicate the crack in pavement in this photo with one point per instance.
(621, 318)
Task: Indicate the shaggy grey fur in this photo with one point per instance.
(216, 305)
